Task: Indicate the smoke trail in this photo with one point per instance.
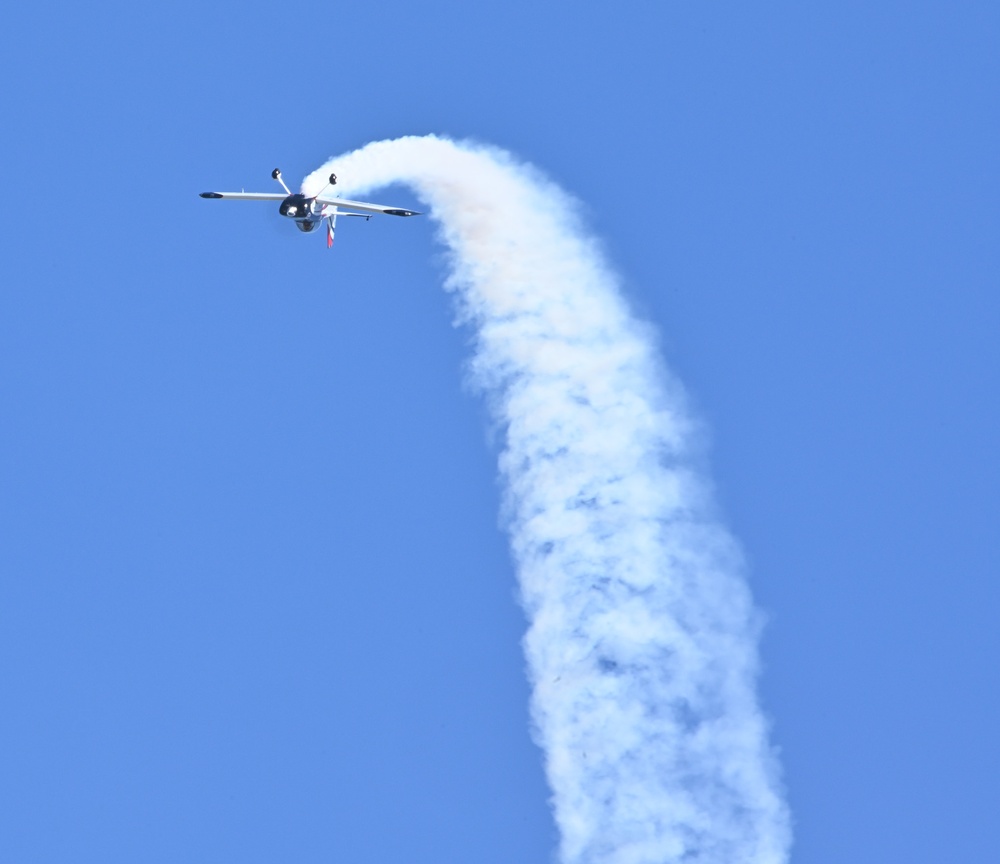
(641, 645)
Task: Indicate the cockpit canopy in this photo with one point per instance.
(296, 206)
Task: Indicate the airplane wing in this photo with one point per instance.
(247, 196)
(365, 208)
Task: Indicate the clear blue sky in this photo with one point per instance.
(254, 605)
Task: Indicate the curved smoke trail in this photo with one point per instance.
(642, 640)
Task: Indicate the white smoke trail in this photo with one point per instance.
(642, 640)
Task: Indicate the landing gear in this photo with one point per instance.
(276, 174)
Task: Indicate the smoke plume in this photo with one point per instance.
(641, 645)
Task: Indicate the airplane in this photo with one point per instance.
(308, 212)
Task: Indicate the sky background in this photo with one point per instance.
(255, 606)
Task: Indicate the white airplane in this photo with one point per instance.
(308, 212)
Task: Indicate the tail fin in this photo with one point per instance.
(331, 224)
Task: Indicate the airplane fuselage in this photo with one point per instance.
(307, 212)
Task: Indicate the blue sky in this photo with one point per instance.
(254, 603)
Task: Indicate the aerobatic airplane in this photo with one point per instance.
(308, 212)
